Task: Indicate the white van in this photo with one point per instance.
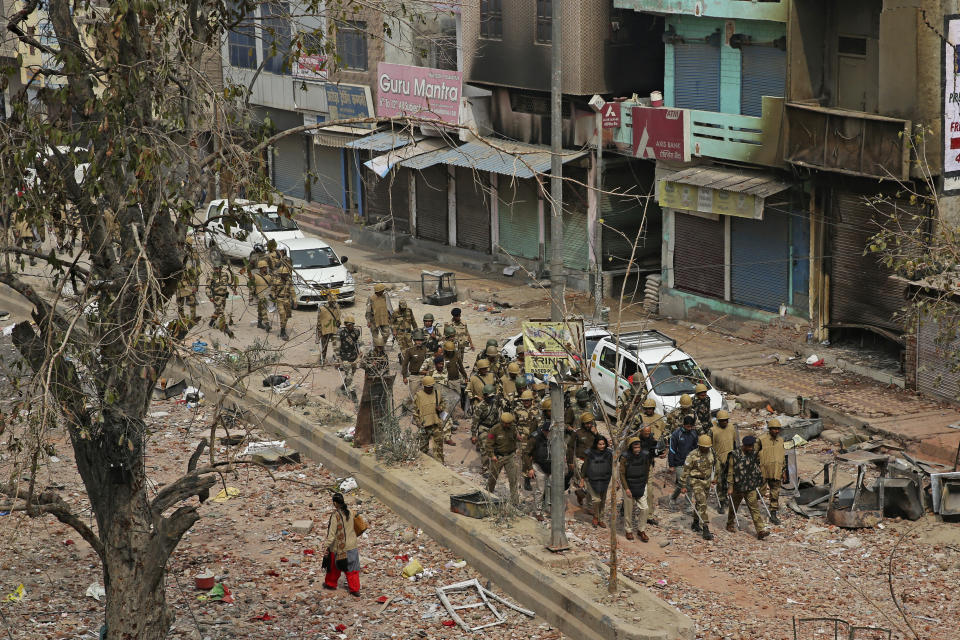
(262, 222)
(669, 372)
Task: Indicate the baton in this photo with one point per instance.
(717, 496)
(763, 502)
(736, 516)
(692, 506)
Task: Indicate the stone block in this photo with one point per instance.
(751, 401)
(302, 527)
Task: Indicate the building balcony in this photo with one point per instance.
(844, 141)
(773, 10)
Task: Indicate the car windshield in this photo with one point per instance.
(314, 258)
(675, 378)
(273, 222)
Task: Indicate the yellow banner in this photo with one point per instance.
(675, 195)
(547, 346)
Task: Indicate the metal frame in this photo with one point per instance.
(851, 630)
(485, 596)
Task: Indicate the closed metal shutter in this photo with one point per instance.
(388, 197)
(518, 219)
(576, 245)
(696, 69)
(862, 289)
(432, 222)
(936, 354)
(290, 165)
(800, 261)
(698, 255)
(327, 180)
(473, 209)
(763, 73)
(760, 261)
(400, 191)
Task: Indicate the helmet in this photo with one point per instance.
(583, 395)
(262, 264)
(428, 316)
(418, 335)
(491, 351)
(449, 346)
(774, 424)
(489, 389)
(700, 388)
(402, 304)
(637, 381)
(547, 404)
(723, 415)
(539, 386)
(526, 395)
(521, 382)
(379, 341)
(649, 403)
(586, 417)
(492, 342)
(704, 441)
(507, 418)
(513, 368)
(349, 320)
(449, 331)
(283, 271)
(271, 244)
(428, 381)
(379, 287)
(483, 363)
(632, 440)
(686, 401)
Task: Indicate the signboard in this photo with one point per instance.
(310, 67)
(951, 103)
(552, 346)
(349, 101)
(418, 91)
(676, 195)
(610, 115)
(661, 134)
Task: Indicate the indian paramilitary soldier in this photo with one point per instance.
(529, 418)
(698, 476)
(492, 342)
(429, 409)
(682, 441)
(253, 260)
(583, 438)
(189, 283)
(486, 415)
(283, 294)
(724, 440)
(404, 323)
(480, 378)
(431, 334)
(348, 350)
(701, 408)
(218, 289)
(772, 463)
(261, 290)
(411, 363)
(656, 424)
(456, 374)
(378, 313)
(508, 385)
(501, 450)
(463, 333)
(743, 477)
(328, 324)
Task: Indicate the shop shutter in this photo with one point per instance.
(388, 197)
(473, 209)
(327, 180)
(862, 289)
(936, 354)
(432, 222)
(760, 261)
(698, 255)
(763, 73)
(800, 262)
(621, 215)
(289, 166)
(400, 191)
(576, 245)
(696, 82)
(519, 226)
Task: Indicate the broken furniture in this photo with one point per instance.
(945, 489)
(484, 595)
(824, 628)
(438, 287)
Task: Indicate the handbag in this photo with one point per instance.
(359, 525)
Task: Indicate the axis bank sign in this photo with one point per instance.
(418, 91)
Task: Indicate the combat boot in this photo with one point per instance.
(773, 518)
(526, 484)
(706, 532)
(266, 327)
(695, 525)
(210, 324)
(283, 334)
(259, 323)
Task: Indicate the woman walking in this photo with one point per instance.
(341, 545)
(597, 471)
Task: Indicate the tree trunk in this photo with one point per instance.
(136, 604)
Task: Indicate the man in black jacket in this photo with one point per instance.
(635, 466)
(682, 442)
(537, 452)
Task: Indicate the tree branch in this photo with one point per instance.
(49, 502)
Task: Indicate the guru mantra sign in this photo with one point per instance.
(428, 93)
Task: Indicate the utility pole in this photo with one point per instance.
(598, 226)
(558, 458)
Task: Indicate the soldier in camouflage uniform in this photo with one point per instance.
(501, 446)
(576, 409)
(218, 288)
(508, 387)
(189, 284)
(428, 406)
(486, 415)
(456, 375)
(431, 334)
(252, 265)
(450, 333)
(675, 417)
(348, 351)
(403, 323)
(378, 312)
(742, 478)
(480, 378)
(283, 294)
(492, 342)
(328, 323)
(461, 331)
(632, 399)
(528, 414)
(274, 256)
(261, 291)
(701, 408)
(698, 477)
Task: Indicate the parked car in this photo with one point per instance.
(316, 270)
(233, 238)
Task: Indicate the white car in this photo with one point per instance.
(262, 223)
(317, 269)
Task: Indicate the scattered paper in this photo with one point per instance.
(96, 591)
(226, 494)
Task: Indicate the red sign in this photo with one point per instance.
(660, 134)
(610, 115)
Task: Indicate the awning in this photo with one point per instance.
(731, 192)
(332, 139)
(384, 140)
(497, 156)
(381, 165)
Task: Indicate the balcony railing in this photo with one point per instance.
(773, 10)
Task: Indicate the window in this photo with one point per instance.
(352, 45)
(491, 19)
(544, 21)
(675, 378)
(276, 37)
(243, 46)
(608, 359)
